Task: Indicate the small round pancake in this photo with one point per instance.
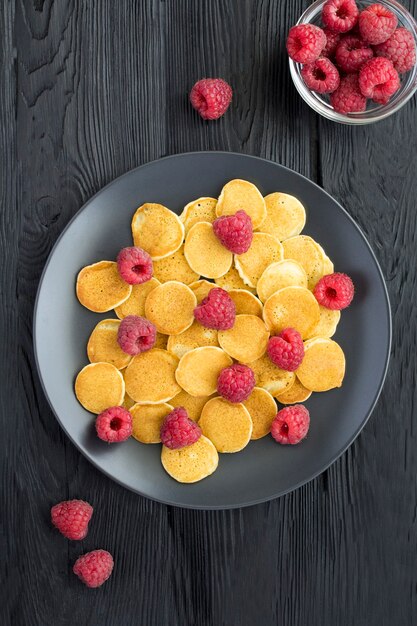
(157, 230)
(245, 302)
(128, 402)
(307, 253)
(270, 377)
(327, 324)
(323, 366)
(103, 346)
(264, 250)
(99, 386)
(286, 216)
(262, 409)
(242, 195)
(328, 267)
(201, 288)
(192, 463)
(170, 307)
(232, 280)
(204, 252)
(286, 273)
(247, 340)
(194, 337)
(228, 425)
(135, 304)
(161, 341)
(199, 369)
(200, 210)
(292, 307)
(192, 404)
(174, 267)
(147, 420)
(296, 393)
(100, 287)
(150, 377)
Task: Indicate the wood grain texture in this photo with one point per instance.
(90, 90)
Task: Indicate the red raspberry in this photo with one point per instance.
(332, 40)
(134, 265)
(136, 334)
(348, 97)
(114, 424)
(286, 350)
(291, 424)
(377, 23)
(351, 53)
(340, 15)
(94, 568)
(217, 310)
(235, 383)
(211, 97)
(235, 232)
(321, 76)
(305, 43)
(71, 517)
(378, 79)
(178, 430)
(400, 49)
(334, 291)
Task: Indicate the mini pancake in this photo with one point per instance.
(100, 287)
(323, 366)
(201, 288)
(242, 195)
(150, 377)
(306, 252)
(247, 340)
(232, 280)
(99, 386)
(147, 420)
(194, 337)
(170, 307)
(264, 250)
(270, 377)
(128, 402)
(200, 210)
(192, 463)
(199, 369)
(328, 267)
(245, 302)
(135, 304)
(157, 230)
(296, 393)
(192, 404)
(228, 425)
(262, 409)
(174, 267)
(286, 216)
(161, 341)
(286, 273)
(327, 324)
(204, 252)
(103, 346)
(292, 307)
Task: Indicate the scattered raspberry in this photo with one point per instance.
(377, 23)
(114, 424)
(236, 382)
(217, 310)
(321, 76)
(291, 424)
(351, 53)
(334, 291)
(178, 430)
(134, 265)
(340, 15)
(332, 41)
(286, 350)
(211, 97)
(136, 334)
(71, 517)
(94, 568)
(400, 49)
(348, 97)
(305, 43)
(378, 79)
(235, 232)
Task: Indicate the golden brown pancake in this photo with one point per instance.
(323, 366)
(286, 216)
(199, 369)
(150, 377)
(99, 386)
(262, 409)
(242, 195)
(170, 307)
(245, 302)
(100, 287)
(128, 402)
(232, 280)
(295, 394)
(103, 345)
(270, 377)
(147, 420)
(161, 341)
(292, 307)
(174, 267)
(192, 463)
(307, 253)
(327, 324)
(157, 230)
(192, 404)
(195, 336)
(264, 250)
(247, 340)
(135, 304)
(228, 425)
(200, 210)
(204, 252)
(286, 273)
(201, 288)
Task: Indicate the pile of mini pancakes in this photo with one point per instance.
(271, 285)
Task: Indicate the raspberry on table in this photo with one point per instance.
(351, 53)
(235, 383)
(114, 424)
(348, 98)
(71, 518)
(291, 424)
(332, 41)
(286, 350)
(305, 43)
(94, 568)
(178, 430)
(134, 265)
(321, 76)
(235, 232)
(378, 79)
(400, 48)
(340, 15)
(211, 97)
(377, 23)
(217, 310)
(334, 291)
(136, 334)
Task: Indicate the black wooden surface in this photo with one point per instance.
(89, 90)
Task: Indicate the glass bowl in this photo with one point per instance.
(374, 112)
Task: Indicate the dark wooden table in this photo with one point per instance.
(91, 89)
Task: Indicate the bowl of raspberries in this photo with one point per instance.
(354, 62)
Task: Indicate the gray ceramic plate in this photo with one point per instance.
(264, 470)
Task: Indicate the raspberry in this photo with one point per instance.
(235, 383)
(348, 97)
(217, 310)
(378, 79)
(400, 49)
(291, 424)
(235, 232)
(114, 424)
(71, 517)
(332, 40)
(321, 76)
(377, 23)
(211, 97)
(286, 350)
(340, 15)
(94, 568)
(334, 291)
(351, 53)
(178, 430)
(136, 334)
(134, 265)
(305, 43)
